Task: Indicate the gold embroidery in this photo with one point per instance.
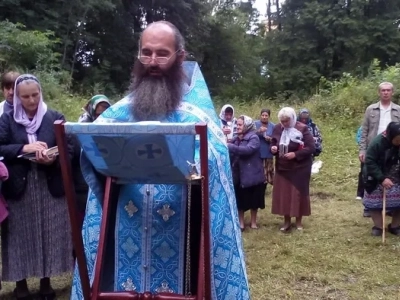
(166, 212)
(131, 209)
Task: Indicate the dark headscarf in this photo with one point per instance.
(392, 131)
(305, 111)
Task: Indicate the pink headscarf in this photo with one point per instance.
(31, 126)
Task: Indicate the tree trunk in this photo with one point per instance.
(269, 15)
(278, 15)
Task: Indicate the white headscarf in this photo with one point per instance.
(222, 113)
(290, 133)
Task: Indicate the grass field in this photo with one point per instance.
(335, 257)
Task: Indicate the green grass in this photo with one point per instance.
(335, 257)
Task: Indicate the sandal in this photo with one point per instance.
(285, 228)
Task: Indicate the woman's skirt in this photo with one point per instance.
(251, 197)
(291, 195)
(374, 201)
(36, 239)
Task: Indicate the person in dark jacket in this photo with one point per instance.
(293, 146)
(305, 118)
(248, 171)
(382, 171)
(35, 239)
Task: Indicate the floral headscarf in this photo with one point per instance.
(290, 133)
(96, 100)
(248, 124)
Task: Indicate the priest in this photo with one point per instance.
(150, 231)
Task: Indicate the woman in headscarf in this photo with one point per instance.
(382, 171)
(94, 108)
(35, 239)
(264, 131)
(305, 118)
(228, 121)
(247, 169)
(293, 146)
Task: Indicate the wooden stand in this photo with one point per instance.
(111, 189)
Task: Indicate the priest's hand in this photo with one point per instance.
(274, 149)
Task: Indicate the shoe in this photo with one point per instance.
(285, 229)
(48, 296)
(376, 231)
(395, 230)
(358, 198)
(27, 297)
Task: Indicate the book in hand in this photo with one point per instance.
(53, 151)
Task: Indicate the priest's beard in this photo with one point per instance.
(154, 97)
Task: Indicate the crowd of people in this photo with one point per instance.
(253, 148)
(35, 235)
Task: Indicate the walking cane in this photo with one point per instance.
(384, 217)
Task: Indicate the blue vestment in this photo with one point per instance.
(150, 222)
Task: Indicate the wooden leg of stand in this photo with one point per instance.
(102, 240)
(66, 172)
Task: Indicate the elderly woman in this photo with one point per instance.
(247, 170)
(293, 145)
(382, 171)
(94, 108)
(264, 131)
(35, 240)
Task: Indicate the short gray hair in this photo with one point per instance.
(287, 113)
(386, 83)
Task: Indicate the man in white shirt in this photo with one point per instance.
(376, 118)
(7, 87)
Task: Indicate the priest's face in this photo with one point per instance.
(157, 76)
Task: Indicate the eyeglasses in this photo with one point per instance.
(21, 79)
(161, 60)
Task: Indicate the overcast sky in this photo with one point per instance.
(261, 5)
